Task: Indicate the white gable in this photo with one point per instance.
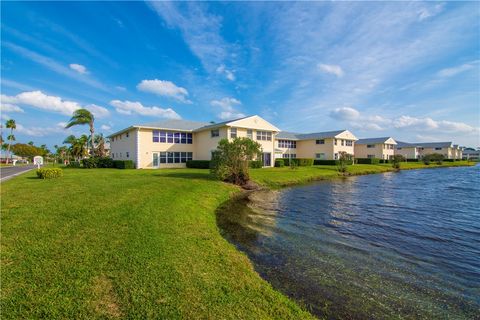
(346, 135)
(253, 122)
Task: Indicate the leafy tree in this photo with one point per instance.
(26, 150)
(433, 157)
(81, 117)
(10, 124)
(100, 142)
(343, 161)
(78, 146)
(31, 143)
(397, 160)
(230, 159)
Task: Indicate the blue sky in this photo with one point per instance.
(410, 70)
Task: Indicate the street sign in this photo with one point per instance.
(38, 160)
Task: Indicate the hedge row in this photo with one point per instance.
(330, 162)
(198, 164)
(98, 162)
(368, 160)
(299, 162)
(123, 164)
(255, 164)
(279, 163)
(49, 173)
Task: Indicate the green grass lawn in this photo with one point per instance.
(107, 243)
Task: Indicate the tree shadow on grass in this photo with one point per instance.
(187, 175)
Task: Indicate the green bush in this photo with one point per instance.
(97, 162)
(412, 160)
(279, 163)
(49, 173)
(198, 164)
(449, 160)
(255, 164)
(368, 160)
(124, 164)
(74, 164)
(433, 157)
(385, 161)
(304, 162)
(330, 162)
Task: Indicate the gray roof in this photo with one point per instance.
(372, 140)
(424, 144)
(308, 136)
(175, 124)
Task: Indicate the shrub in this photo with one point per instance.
(49, 173)
(368, 160)
(396, 160)
(286, 161)
(97, 162)
(255, 164)
(433, 157)
(304, 162)
(74, 164)
(330, 162)
(449, 160)
(124, 164)
(199, 164)
(279, 163)
(411, 160)
(230, 161)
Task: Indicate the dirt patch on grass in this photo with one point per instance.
(105, 301)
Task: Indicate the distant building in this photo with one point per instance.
(421, 149)
(471, 154)
(380, 148)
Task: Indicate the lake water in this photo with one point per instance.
(393, 245)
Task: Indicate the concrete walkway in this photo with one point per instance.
(10, 172)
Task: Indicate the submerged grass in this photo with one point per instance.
(107, 243)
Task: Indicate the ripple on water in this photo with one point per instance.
(382, 246)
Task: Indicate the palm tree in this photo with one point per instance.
(10, 124)
(81, 117)
(100, 142)
(78, 147)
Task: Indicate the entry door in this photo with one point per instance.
(156, 161)
(267, 159)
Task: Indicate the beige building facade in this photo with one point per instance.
(171, 143)
(320, 145)
(421, 149)
(380, 148)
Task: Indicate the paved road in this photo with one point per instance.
(10, 172)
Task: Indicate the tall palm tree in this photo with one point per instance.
(78, 146)
(81, 117)
(10, 124)
(100, 142)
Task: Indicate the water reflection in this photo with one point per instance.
(373, 247)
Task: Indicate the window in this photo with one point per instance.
(170, 157)
(342, 142)
(163, 157)
(183, 138)
(321, 141)
(163, 136)
(233, 133)
(176, 137)
(370, 146)
(155, 136)
(320, 156)
(335, 141)
(127, 135)
(264, 135)
(349, 143)
(176, 157)
(215, 133)
(250, 133)
(335, 156)
(289, 156)
(128, 154)
(113, 155)
(189, 138)
(287, 144)
(438, 148)
(170, 137)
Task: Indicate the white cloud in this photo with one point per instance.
(200, 29)
(45, 102)
(54, 65)
(7, 107)
(79, 68)
(41, 131)
(105, 127)
(450, 72)
(227, 108)
(331, 68)
(428, 124)
(164, 88)
(425, 13)
(129, 107)
(345, 113)
(227, 73)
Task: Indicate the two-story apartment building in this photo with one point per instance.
(171, 143)
(320, 145)
(421, 149)
(380, 148)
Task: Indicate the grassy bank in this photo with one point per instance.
(107, 243)
(281, 177)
